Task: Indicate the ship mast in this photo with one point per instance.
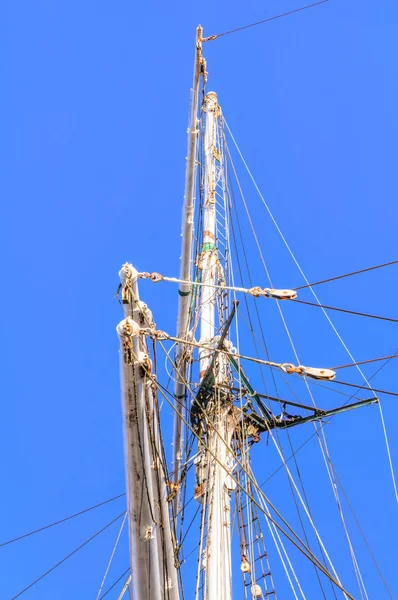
(218, 550)
(152, 563)
(184, 291)
(217, 424)
(223, 429)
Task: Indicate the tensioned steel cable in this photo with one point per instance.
(108, 566)
(299, 544)
(325, 422)
(365, 539)
(114, 583)
(306, 442)
(365, 362)
(256, 293)
(68, 556)
(25, 535)
(363, 387)
(268, 357)
(290, 12)
(324, 311)
(345, 310)
(301, 287)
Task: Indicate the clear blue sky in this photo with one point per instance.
(94, 105)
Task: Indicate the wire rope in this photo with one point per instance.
(321, 438)
(299, 544)
(366, 362)
(25, 535)
(344, 310)
(291, 12)
(274, 381)
(114, 583)
(111, 557)
(387, 264)
(28, 587)
(318, 301)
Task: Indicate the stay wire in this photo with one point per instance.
(323, 424)
(290, 12)
(299, 544)
(387, 264)
(68, 556)
(274, 381)
(346, 497)
(323, 443)
(384, 429)
(364, 387)
(115, 583)
(298, 472)
(364, 538)
(345, 310)
(25, 535)
(365, 362)
(108, 566)
(302, 548)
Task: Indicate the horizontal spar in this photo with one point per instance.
(254, 291)
(282, 401)
(257, 292)
(289, 368)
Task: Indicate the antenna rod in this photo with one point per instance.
(185, 270)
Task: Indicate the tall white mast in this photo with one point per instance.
(185, 269)
(218, 488)
(152, 555)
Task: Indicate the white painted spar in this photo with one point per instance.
(208, 259)
(185, 270)
(153, 574)
(218, 575)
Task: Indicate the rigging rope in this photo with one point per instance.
(324, 311)
(25, 535)
(256, 292)
(345, 310)
(291, 12)
(366, 362)
(357, 522)
(305, 508)
(323, 424)
(227, 201)
(289, 368)
(299, 544)
(365, 539)
(302, 287)
(68, 556)
(364, 387)
(232, 201)
(273, 531)
(127, 587)
(115, 583)
(111, 557)
(321, 438)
